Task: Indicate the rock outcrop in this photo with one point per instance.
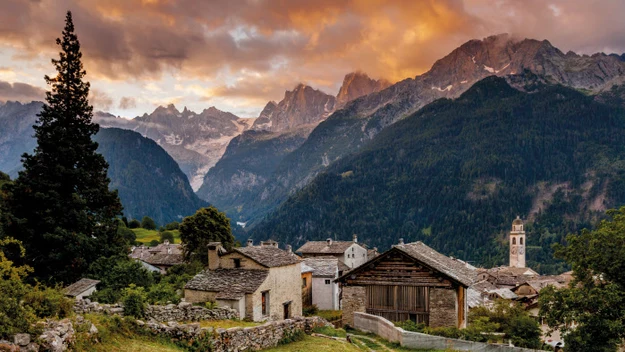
(356, 85)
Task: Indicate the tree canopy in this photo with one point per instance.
(60, 205)
(591, 312)
(206, 225)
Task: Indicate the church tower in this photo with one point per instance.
(517, 244)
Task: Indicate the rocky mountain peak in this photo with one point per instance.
(303, 105)
(356, 85)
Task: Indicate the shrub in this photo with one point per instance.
(127, 234)
(147, 223)
(410, 325)
(210, 305)
(48, 302)
(153, 243)
(310, 310)
(163, 293)
(167, 235)
(134, 224)
(174, 225)
(134, 299)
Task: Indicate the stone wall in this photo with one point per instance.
(183, 311)
(238, 339)
(354, 300)
(414, 340)
(443, 310)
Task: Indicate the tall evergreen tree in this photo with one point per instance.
(62, 209)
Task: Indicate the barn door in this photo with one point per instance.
(398, 303)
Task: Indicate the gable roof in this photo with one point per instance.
(79, 287)
(229, 283)
(322, 247)
(323, 267)
(504, 293)
(164, 259)
(268, 256)
(455, 269)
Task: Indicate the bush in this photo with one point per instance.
(210, 305)
(48, 302)
(147, 223)
(134, 224)
(167, 236)
(311, 310)
(134, 299)
(174, 225)
(163, 293)
(153, 243)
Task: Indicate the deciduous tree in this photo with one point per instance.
(206, 225)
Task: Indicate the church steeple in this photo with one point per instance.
(517, 244)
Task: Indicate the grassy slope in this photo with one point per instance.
(316, 344)
(146, 236)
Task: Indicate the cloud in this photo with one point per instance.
(285, 42)
(126, 103)
(100, 100)
(20, 92)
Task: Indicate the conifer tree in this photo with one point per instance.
(61, 207)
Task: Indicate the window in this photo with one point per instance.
(521, 240)
(237, 262)
(513, 240)
(265, 303)
(352, 249)
(327, 282)
(303, 282)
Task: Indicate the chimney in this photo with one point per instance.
(250, 242)
(289, 248)
(213, 255)
(355, 238)
(401, 241)
(329, 240)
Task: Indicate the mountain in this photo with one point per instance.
(356, 85)
(301, 106)
(195, 140)
(16, 135)
(455, 174)
(248, 162)
(149, 181)
(350, 128)
(252, 158)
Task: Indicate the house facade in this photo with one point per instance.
(409, 282)
(350, 253)
(261, 282)
(325, 289)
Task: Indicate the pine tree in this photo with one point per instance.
(62, 209)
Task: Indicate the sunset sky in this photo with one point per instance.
(239, 54)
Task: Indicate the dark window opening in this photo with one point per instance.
(265, 303)
(237, 263)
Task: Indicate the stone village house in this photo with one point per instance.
(409, 282)
(261, 282)
(350, 253)
(324, 288)
(158, 258)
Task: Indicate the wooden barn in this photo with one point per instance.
(409, 282)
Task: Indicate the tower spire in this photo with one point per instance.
(517, 244)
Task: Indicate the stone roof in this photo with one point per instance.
(268, 256)
(510, 271)
(164, 259)
(483, 286)
(504, 293)
(228, 282)
(306, 268)
(474, 298)
(143, 252)
(455, 269)
(343, 267)
(323, 247)
(79, 287)
(323, 267)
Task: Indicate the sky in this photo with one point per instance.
(237, 55)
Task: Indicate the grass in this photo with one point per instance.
(330, 315)
(146, 236)
(315, 344)
(227, 324)
(120, 343)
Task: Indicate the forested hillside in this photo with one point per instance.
(457, 172)
(148, 179)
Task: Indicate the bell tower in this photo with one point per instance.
(517, 244)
